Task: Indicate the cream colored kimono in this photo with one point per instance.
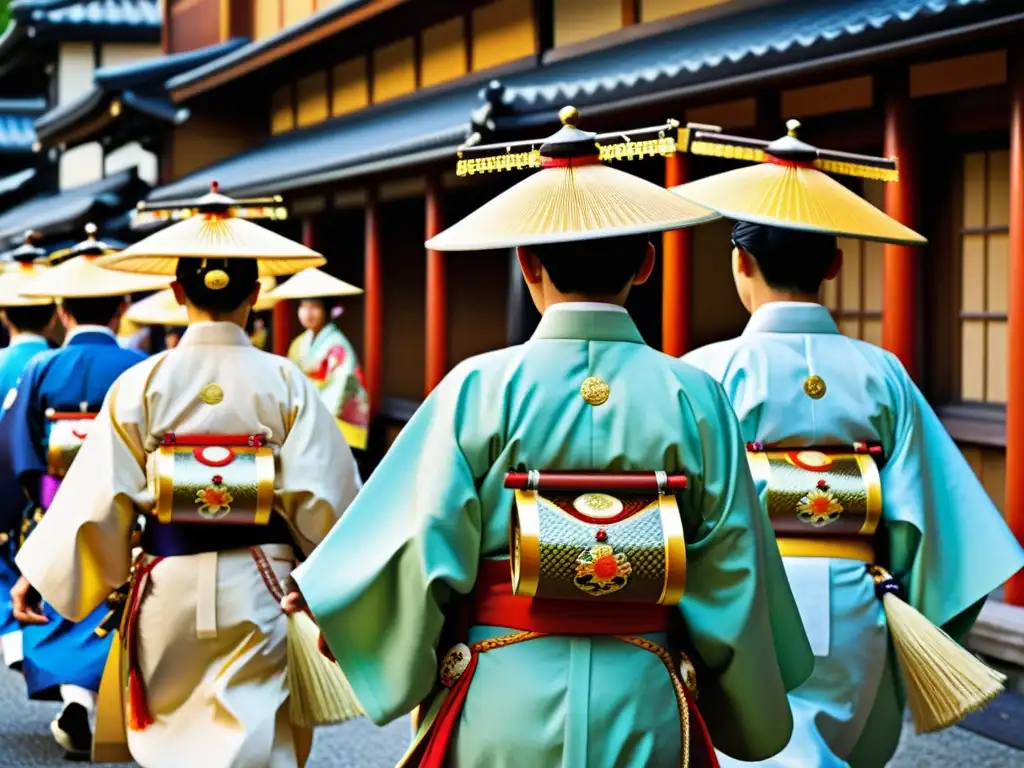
(211, 639)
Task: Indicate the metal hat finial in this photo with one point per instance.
(214, 187)
(793, 126)
(569, 116)
(91, 230)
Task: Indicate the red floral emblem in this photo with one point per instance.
(214, 500)
(601, 570)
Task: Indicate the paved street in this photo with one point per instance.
(25, 741)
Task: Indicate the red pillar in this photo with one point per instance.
(899, 296)
(676, 290)
(437, 324)
(373, 304)
(1014, 593)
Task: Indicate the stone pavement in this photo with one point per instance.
(25, 741)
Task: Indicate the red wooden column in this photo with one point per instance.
(373, 304)
(676, 285)
(437, 323)
(899, 286)
(1014, 593)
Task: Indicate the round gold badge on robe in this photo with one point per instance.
(594, 391)
(211, 394)
(814, 387)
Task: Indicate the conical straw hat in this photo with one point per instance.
(214, 227)
(574, 196)
(163, 309)
(20, 266)
(313, 284)
(14, 278)
(82, 277)
(787, 187)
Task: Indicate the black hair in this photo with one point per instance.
(789, 259)
(30, 318)
(208, 294)
(100, 310)
(593, 267)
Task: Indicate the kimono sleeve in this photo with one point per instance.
(81, 550)
(21, 459)
(949, 545)
(379, 582)
(739, 611)
(317, 476)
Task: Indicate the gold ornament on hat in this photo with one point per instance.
(575, 195)
(788, 186)
(214, 226)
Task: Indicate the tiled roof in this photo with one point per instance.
(139, 85)
(768, 36)
(390, 135)
(66, 211)
(16, 117)
(89, 13)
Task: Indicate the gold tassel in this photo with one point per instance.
(944, 681)
(320, 693)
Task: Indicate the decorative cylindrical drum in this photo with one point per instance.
(813, 492)
(67, 433)
(201, 481)
(580, 536)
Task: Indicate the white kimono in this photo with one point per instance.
(211, 639)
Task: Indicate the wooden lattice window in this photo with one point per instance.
(855, 295)
(984, 276)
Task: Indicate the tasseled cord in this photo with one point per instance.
(944, 681)
(139, 717)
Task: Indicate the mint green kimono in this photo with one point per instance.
(949, 547)
(379, 583)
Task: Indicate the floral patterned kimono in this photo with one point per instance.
(329, 360)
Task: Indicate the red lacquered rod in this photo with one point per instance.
(256, 441)
(636, 482)
(873, 449)
(70, 416)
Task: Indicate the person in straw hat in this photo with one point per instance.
(555, 497)
(28, 321)
(324, 353)
(237, 467)
(866, 464)
(44, 423)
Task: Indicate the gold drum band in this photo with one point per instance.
(580, 546)
(811, 493)
(819, 546)
(64, 441)
(214, 484)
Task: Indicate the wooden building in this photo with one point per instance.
(49, 54)
(353, 110)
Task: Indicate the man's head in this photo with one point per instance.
(776, 264)
(313, 314)
(217, 289)
(38, 319)
(586, 270)
(103, 310)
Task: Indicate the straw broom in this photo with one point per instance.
(944, 681)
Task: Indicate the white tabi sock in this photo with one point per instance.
(73, 694)
(10, 646)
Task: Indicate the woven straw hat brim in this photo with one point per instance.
(558, 205)
(163, 309)
(202, 237)
(314, 284)
(13, 280)
(796, 198)
(82, 277)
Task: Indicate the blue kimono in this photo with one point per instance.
(13, 360)
(59, 652)
(948, 545)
